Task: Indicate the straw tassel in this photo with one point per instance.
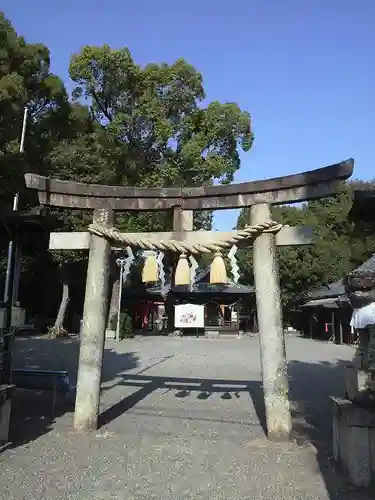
(218, 273)
(150, 272)
(182, 276)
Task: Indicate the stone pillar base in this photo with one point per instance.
(354, 441)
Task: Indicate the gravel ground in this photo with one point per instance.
(181, 419)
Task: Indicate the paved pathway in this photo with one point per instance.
(181, 420)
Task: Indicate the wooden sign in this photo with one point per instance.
(189, 316)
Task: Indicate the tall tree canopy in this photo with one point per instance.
(154, 121)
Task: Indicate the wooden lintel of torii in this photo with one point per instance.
(287, 236)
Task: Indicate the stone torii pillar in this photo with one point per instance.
(93, 328)
(259, 195)
(183, 221)
(271, 331)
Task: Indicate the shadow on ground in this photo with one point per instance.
(32, 411)
(202, 388)
(311, 384)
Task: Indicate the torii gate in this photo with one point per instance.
(258, 195)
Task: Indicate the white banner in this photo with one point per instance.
(189, 316)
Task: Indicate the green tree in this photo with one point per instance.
(25, 80)
(339, 245)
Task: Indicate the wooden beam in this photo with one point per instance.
(288, 236)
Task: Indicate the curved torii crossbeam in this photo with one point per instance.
(258, 195)
(288, 189)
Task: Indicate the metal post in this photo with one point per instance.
(238, 316)
(8, 333)
(23, 133)
(341, 329)
(17, 275)
(12, 251)
(11, 258)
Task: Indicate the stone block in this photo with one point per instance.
(355, 382)
(358, 460)
(354, 441)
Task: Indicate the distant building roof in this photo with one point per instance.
(369, 265)
(328, 302)
(332, 290)
(30, 227)
(337, 288)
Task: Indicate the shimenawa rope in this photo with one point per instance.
(184, 247)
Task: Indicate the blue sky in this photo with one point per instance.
(304, 69)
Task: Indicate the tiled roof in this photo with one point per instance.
(332, 290)
(369, 265)
(337, 288)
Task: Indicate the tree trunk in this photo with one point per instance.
(58, 327)
(60, 319)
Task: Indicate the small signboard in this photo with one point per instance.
(189, 316)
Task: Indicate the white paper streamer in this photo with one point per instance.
(193, 270)
(233, 263)
(159, 260)
(127, 264)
